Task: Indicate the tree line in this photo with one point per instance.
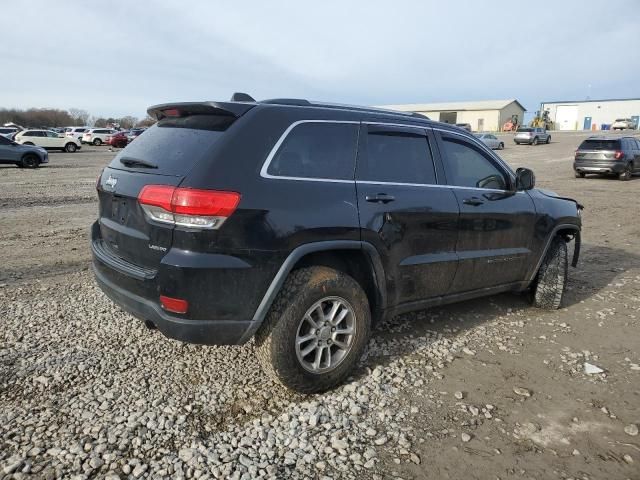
(54, 117)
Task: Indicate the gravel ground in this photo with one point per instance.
(489, 388)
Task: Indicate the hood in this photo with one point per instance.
(549, 193)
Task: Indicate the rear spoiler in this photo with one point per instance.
(183, 109)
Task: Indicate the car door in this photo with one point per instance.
(492, 142)
(496, 223)
(9, 151)
(404, 213)
(52, 140)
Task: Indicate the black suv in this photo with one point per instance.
(608, 155)
(300, 223)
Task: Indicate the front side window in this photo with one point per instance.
(397, 157)
(467, 165)
(52, 134)
(5, 141)
(317, 150)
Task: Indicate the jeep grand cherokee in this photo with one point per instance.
(300, 223)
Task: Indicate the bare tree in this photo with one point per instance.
(146, 122)
(80, 116)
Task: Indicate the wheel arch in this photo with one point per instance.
(358, 259)
(568, 232)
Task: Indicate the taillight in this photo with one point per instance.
(188, 207)
(576, 154)
(175, 305)
(619, 154)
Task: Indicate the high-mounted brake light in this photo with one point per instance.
(171, 112)
(188, 207)
(619, 154)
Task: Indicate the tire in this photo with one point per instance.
(501, 146)
(282, 357)
(580, 174)
(548, 140)
(97, 142)
(626, 174)
(535, 141)
(30, 161)
(70, 147)
(552, 277)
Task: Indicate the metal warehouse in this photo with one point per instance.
(590, 114)
(486, 115)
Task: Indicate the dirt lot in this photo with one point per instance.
(486, 389)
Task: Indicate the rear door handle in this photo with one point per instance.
(380, 198)
(475, 201)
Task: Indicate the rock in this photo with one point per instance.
(523, 392)
(339, 444)
(465, 437)
(13, 465)
(139, 470)
(186, 454)
(459, 395)
(591, 369)
(468, 351)
(96, 462)
(414, 458)
(474, 411)
(631, 429)
(628, 458)
(381, 440)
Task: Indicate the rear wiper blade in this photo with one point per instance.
(136, 162)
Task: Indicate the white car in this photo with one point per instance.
(623, 124)
(48, 139)
(75, 132)
(97, 136)
(490, 141)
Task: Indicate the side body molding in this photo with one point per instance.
(301, 251)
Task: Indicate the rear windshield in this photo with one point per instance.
(525, 130)
(600, 145)
(173, 145)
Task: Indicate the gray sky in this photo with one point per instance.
(120, 57)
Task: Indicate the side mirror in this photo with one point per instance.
(525, 179)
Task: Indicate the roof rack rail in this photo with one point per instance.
(288, 101)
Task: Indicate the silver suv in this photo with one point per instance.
(623, 124)
(532, 136)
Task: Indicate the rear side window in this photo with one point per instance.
(600, 145)
(397, 157)
(317, 150)
(174, 145)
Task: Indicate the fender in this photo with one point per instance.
(556, 229)
(301, 251)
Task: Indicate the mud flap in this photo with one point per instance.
(576, 250)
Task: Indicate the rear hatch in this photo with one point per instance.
(524, 133)
(164, 155)
(598, 150)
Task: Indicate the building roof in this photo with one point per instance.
(454, 106)
(592, 101)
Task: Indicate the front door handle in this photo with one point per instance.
(380, 198)
(475, 201)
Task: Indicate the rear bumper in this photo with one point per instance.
(599, 167)
(204, 332)
(527, 141)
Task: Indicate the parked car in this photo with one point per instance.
(75, 132)
(134, 133)
(8, 132)
(117, 139)
(608, 155)
(624, 124)
(464, 126)
(532, 136)
(490, 141)
(28, 156)
(48, 139)
(232, 220)
(97, 136)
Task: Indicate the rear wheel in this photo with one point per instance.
(548, 140)
(552, 277)
(70, 147)
(626, 174)
(30, 161)
(315, 331)
(97, 142)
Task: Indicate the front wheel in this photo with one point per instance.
(535, 141)
(501, 146)
(70, 147)
(580, 174)
(30, 161)
(316, 330)
(548, 140)
(552, 277)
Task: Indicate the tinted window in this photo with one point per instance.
(600, 145)
(525, 129)
(4, 141)
(467, 166)
(398, 157)
(52, 134)
(317, 150)
(175, 145)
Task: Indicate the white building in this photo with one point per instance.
(590, 114)
(486, 115)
